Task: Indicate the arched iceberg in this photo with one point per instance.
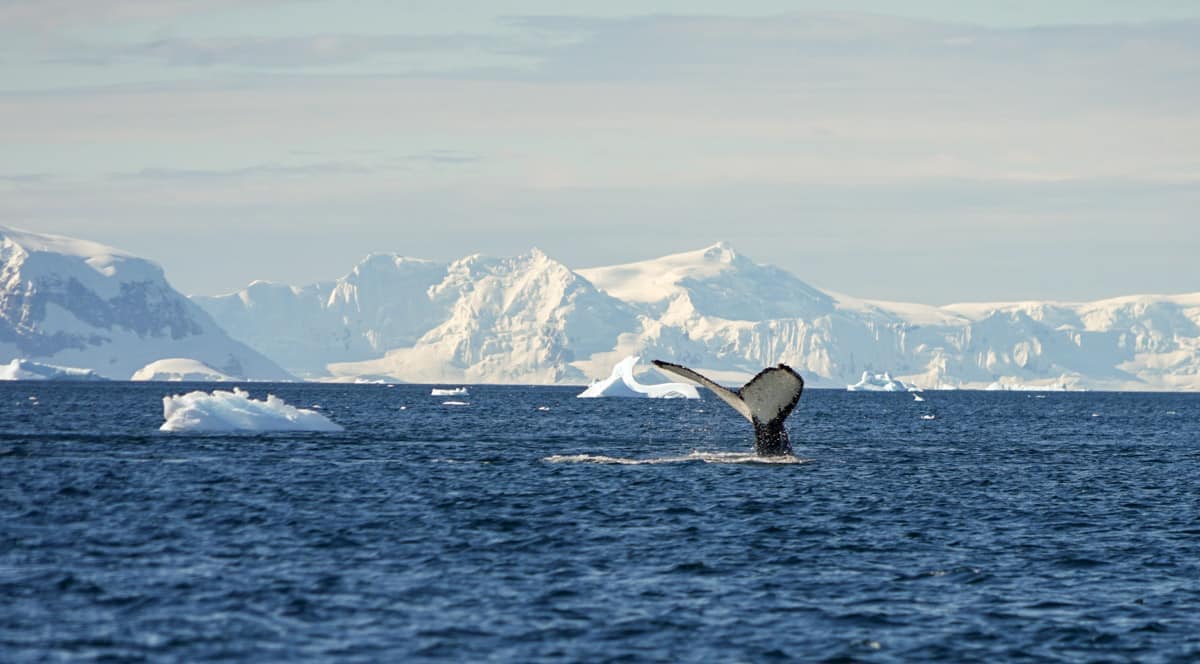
(622, 384)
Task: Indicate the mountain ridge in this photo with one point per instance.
(531, 319)
(716, 309)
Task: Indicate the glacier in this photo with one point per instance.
(622, 383)
(225, 411)
(71, 302)
(531, 319)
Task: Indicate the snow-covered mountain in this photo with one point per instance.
(530, 319)
(383, 303)
(80, 304)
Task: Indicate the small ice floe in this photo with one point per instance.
(236, 411)
(929, 417)
(621, 383)
(455, 403)
(1095, 414)
(543, 408)
(403, 407)
(448, 392)
(917, 397)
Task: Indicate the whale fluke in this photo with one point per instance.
(766, 401)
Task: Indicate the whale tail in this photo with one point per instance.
(766, 401)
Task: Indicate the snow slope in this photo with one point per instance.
(77, 303)
(383, 303)
(524, 319)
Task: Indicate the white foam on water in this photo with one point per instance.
(236, 411)
(928, 417)
(543, 408)
(704, 457)
(455, 403)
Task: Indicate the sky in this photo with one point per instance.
(931, 151)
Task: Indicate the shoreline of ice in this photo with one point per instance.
(20, 369)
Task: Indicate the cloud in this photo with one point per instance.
(300, 51)
(256, 171)
(58, 14)
(848, 50)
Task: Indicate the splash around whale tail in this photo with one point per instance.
(765, 401)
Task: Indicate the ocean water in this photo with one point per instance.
(532, 526)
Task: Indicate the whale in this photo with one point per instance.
(766, 401)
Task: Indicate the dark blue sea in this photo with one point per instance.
(532, 526)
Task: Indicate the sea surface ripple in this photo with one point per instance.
(528, 525)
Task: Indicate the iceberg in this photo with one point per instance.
(879, 383)
(20, 369)
(236, 411)
(1064, 384)
(452, 392)
(178, 369)
(622, 384)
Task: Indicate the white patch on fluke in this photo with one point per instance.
(236, 411)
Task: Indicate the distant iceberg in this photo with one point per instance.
(20, 369)
(880, 383)
(236, 411)
(1063, 384)
(178, 369)
(452, 392)
(622, 384)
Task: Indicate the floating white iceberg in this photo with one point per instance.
(178, 369)
(879, 383)
(1063, 384)
(20, 369)
(236, 411)
(452, 392)
(622, 384)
